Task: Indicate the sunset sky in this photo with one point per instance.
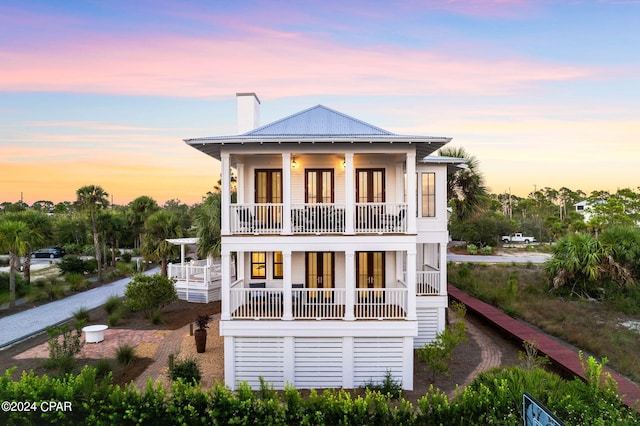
(543, 93)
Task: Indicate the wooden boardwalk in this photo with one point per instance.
(561, 355)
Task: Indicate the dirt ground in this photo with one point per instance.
(483, 349)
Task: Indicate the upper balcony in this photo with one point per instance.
(318, 218)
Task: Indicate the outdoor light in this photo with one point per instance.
(293, 163)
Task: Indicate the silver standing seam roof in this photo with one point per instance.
(318, 124)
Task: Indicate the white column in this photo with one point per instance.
(225, 285)
(240, 256)
(350, 284)
(229, 363)
(407, 371)
(286, 283)
(286, 193)
(349, 193)
(226, 194)
(411, 285)
(289, 370)
(240, 183)
(411, 193)
(442, 247)
(347, 362)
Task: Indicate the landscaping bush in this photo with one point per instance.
(22, 288)
(125, 354)
(149, 293)
(472, 249)
(74, 264)
(76, 281)
(64, 344)
(186, 369)
(112, 304)
(81, 314)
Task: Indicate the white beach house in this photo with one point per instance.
(333, 264)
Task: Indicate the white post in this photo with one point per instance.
(240, 183)
(349, 193)
(286, 193)
(286, 283)
(347, 362)
(350, 284)
(225, 288)
(225, 206)
(412, 189)
(411, 285)
(442, 247)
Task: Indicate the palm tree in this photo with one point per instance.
(91, 198)
(16, 237)
(35, 220)
(465, 188)
(137, 213)
(207, 224)
(112, 224)
(160, 226)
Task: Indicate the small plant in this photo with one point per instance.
(112, 304)
(64, 344)
(75, 281)
(126, 256)
(472, 249)
(389, 387)
(529, 359)
(157, 317)
(125, 354)
(115, 317)
(81, 314)
(103, 368)
(202, 321)
(186, 369)
(486, 250)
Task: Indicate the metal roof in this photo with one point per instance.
(318, 121)
(318, 125)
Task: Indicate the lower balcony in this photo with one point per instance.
(317, 304)
(196, 281)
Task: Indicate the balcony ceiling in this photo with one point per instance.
(318, 125)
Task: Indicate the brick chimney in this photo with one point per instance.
(248, 112)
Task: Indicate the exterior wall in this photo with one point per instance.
(330, 354)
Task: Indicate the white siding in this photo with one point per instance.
(257, 357)
(374, 356)
(318, 362)
(427, 326)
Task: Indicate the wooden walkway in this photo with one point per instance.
(562, 355)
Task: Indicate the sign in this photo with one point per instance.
(536, 414)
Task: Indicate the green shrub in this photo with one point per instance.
(186, 369)
(157, 318)
(22, 288)
(125, 354)
(149, 293)
(81, 314)
(64, 344)
(115, 317)
(76, 281)
(112, 304)
(389, 386)
(437, 353)
(472, 249)
(103, 368)
(125, 269)
(126, 257)
(487, 250)
(72, 265)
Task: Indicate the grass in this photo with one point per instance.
(523, 292)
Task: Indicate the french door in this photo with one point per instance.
(369, 189)
(268, 190)
(320, 273)
(370, 272)
(318, 186)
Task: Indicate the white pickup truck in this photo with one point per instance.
(518, 237)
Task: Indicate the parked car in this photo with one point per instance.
(49, 253)
(518, 237)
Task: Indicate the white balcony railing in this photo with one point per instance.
(311, 303)
(384, 303)
(196, 273)
(319, 218)
(428, 283)
(381, 217)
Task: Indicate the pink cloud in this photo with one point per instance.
(273, 63)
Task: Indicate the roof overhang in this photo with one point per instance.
(453, 163)
(181, 241)
(213, 146)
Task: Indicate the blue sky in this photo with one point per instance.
(543, 93)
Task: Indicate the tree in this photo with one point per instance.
(92, 198)
(35, 220)
(111, 225)
(582, 261)
(160, 226)
(150, 293)
(137, 213)
(465, 188)
(16, 238)
(207, 224)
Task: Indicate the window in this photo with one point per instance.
(428, 194)
(278, 268)
(319, 186)
(258, 264)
